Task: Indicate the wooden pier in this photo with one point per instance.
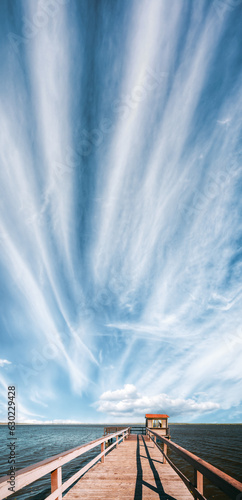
(131, 467)
(133, 471)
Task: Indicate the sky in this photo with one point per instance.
(121, 209)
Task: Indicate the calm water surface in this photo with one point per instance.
(218, 444)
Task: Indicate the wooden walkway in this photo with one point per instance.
(132, 471)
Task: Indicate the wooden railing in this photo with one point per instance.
(135, 429)
(224, 482)
(53, 465)
(113, 428)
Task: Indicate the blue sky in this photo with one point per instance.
(120, 211)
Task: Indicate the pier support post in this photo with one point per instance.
(56, 481)
(165, 451)
(198, 481)
(102, 449)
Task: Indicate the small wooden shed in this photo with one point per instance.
(158, 422)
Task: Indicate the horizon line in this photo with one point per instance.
(119, 423)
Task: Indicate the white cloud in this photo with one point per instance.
(47, 422)
(4, 362)
(129, 391)
(129, 402)
(223, 122)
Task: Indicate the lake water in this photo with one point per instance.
(221, 445)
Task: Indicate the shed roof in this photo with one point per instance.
(156, 415)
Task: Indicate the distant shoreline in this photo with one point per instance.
(122, 424)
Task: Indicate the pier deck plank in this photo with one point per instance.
(132, 471)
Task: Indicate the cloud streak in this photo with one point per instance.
(4, 362)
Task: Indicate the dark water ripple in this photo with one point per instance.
(218, 444)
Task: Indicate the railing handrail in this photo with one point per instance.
(137, 427)
(32, 473)
(113, 428)
(223, 481)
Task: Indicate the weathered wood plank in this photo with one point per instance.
(135, 470)
(226, 483)
(34, 472)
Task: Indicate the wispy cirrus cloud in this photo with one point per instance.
(4, 362)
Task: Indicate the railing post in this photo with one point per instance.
(165, 451)
(198, 481)
(116, 441)
(102, 449)
(56, 481)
